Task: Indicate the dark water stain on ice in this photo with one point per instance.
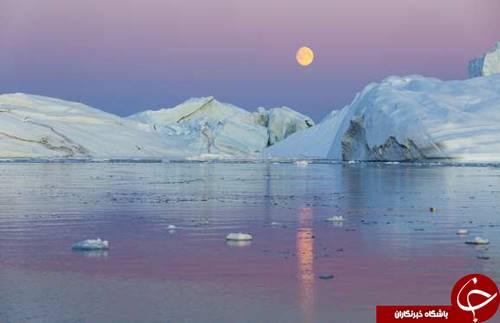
(390, 249)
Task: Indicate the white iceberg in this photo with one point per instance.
(239, 236)
(91, 244)
(487, 64)
(407, 118)
(34, 126)
(40, 127)
(212, 128)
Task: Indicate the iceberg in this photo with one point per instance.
(213, 128)
(34, 126)
(407, 118)
(486, 65)
(40, 127)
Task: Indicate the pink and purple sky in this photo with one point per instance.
(125, 56)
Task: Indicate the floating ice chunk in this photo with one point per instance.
(171, 227)
(91, 244)
(302, 163)
(478, 241)
(239, 236)
(462, 232)
(335, 218)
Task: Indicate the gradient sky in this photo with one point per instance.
(124, 56)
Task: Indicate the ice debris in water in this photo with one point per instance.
(91, 244)
(335, 218)
(171, 227)
(462, 232)
(239, 236)
(478, 241)
(301, 163)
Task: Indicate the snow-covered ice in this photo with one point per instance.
(41, 127)
(407, 118)
(487, 64)
(91, 244)
(213, 128)
(335, 218)
(239, 236)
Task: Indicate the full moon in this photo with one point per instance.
(305, 56)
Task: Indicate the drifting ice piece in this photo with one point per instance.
(239, 236)
(335, 218)
(171, 227)
(91, 244)
(462, 232)
(478, 241)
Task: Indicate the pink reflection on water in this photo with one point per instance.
(305, 263)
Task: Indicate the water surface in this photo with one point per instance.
(389, 250)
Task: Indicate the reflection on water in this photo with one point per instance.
(234, 243)
(305, 263)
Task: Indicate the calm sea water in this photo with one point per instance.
(389, 250)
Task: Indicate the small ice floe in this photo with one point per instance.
(325, 276)
(91, 244)
(335, 219)
(462, 232)
(478, 241)
(302, 163)
(239, 236)
(171, 227)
